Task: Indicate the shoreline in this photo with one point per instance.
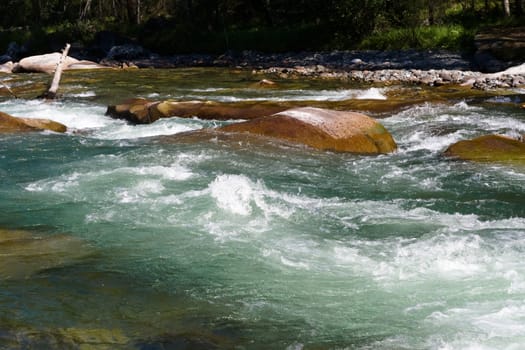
(416, 67)
(413, 67)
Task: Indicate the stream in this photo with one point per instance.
(257, 245)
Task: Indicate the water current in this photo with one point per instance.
(260, 245)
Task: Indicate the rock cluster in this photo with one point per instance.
(319, 128)
(142, 111)
(432, 77)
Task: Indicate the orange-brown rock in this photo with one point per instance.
(322, 129)
(489, 148)
(135, 110)
(141, 111)
(9, 124)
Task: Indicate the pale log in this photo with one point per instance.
(52, 92)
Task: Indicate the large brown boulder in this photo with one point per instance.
(322, 129)
(489, 148)
(141, 111)
(9, 124)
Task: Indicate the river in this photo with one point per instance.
(260, 245)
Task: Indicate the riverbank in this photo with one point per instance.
(430, 67)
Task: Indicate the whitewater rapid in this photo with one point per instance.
(286, 245)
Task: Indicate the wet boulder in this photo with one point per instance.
(322, 129)
(6, 67)
(141, 111)
(135, 110)
(10, 124)
(43, 63)
(84, 64)
(47, 63)
(25, 254)
(489, 148)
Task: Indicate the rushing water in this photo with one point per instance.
(253, 245)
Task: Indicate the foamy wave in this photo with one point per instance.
(74, 116)
(298, 95)
(371, 94)
(435, 127)
(139, 191)
(78, 180)
(234, 193)
(169, 126)
(83, 94)
(239, 195)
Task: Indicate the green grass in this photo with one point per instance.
(451, 37)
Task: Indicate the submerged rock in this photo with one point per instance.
(195, 341)
(9, 124)
(141, 111)
(489, 148)
(64, 338)
(25, 254)
(322, 129)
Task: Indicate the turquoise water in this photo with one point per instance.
(247, 244)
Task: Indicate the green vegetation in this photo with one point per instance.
(452, 37)
(183, 26)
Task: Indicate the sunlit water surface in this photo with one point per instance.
(264, 245)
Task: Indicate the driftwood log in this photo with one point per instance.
(51, 93)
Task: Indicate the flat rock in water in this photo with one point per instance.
(141, 111)
(25, 254)
(10, 124)
(86, 65)
(489, 148)
(322, 129)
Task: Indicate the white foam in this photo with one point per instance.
(435, 127)
(76, 180)
(371, 94)
(123, 130)
(77, 116)
(174, 172)
(83, 94)
(233, 193)
(74, 116)
(139, 191)
(292, 95)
